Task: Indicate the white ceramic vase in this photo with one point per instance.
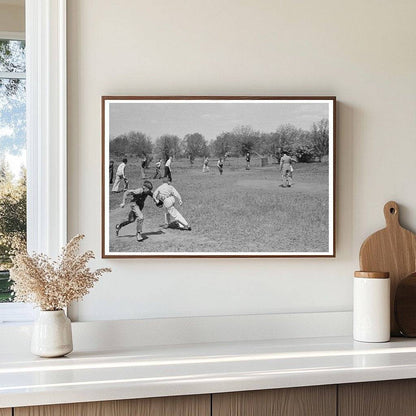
(52, 334)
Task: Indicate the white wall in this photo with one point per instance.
(361, 51)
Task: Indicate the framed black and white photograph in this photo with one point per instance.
(218, 176)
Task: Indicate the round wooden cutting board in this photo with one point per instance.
(393, 250)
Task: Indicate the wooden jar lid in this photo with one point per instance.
(372, 275)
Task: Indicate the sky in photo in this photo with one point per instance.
(210, 119)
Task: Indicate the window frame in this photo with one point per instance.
(12, 35)
(46, 127)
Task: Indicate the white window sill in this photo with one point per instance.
(16, 313)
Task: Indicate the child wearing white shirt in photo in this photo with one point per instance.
(120, 176)
(168, 172)
(166, 194)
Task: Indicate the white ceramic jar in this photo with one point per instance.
(371, 305)
(52, 334)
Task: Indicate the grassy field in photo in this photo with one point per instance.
(240, 211)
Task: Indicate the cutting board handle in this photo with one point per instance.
(391, 213)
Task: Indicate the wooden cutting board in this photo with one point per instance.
(405, 306)
(393, 250)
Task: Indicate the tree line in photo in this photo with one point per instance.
(306, 145)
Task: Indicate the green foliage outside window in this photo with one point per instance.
(12, 145)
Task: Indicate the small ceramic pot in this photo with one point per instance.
(52, 334)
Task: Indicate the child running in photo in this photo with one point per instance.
(165, 194)
(138, 195)
(220, 165)
(205, 167)
(158, 175)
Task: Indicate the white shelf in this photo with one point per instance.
(150, 371)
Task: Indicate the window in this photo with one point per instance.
(12, 153)
(45, 27)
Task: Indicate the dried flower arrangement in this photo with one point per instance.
(53, 285)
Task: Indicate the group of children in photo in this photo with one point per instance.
(166, 195)
(220, 165)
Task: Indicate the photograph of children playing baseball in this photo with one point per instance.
(218, 177)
